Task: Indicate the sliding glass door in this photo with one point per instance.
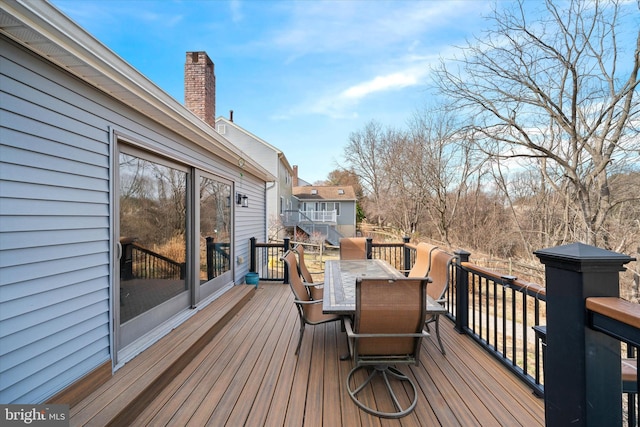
(153, 212)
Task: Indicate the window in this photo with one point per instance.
(215, 228)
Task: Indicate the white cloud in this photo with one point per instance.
(356, 27)
(381, 83)
(236, 10)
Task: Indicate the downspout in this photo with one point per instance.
(266, 210)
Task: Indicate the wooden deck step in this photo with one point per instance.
(136, 384)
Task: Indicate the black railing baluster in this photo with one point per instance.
(495, 317)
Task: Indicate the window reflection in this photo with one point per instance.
(152, 234)
(215, 228)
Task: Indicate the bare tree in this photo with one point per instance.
(439, 164)
(345, 177)
(362, 155)
(561, 91)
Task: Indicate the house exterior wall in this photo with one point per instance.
(345, 222)
(347, 219)
(278, 193)
(56, 229)
(285, 185)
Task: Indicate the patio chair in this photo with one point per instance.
(317, 290)
(309, 310)
(353, 248)
(439, 275)
(387, 330)
(422, 265)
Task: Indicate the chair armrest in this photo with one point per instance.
(349, 329)
(347, 326)
(314, 301)
(423, 334)
(313, 285)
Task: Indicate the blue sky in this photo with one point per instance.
(302, 75)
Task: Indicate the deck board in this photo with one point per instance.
(249, 375)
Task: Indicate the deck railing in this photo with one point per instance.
(138, 262)
(296, 217)
(218, 258)
(501, 316)
(265, 259)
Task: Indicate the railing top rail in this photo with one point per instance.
(155, 254)
(269, 245)
(616, 308)
(387, 245)
(532, 289)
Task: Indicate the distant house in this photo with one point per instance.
(270, 158)
(121, 210)
(326, 210)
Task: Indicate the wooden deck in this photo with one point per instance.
(248, 374)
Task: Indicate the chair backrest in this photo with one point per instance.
(295, 281)
(389, 306)
(310, 312)
(423, 260)
(353, 248)
(304, 271)
(439, 273)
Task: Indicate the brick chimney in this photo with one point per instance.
(200, 86)
(294, 181)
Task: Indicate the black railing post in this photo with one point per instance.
(286, 247)
(210, 272)
(369, 247)
(406, 255)
(252, 255)
(462, 292)
(582, 378)
(126, 261)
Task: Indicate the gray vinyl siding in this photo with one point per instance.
(54, 235)
(347, 213)
(250, 222)
(56, 225)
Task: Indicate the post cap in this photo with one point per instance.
(582, 254)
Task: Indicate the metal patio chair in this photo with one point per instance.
(387, 330)
(317, 290)
(353, 248)
(422, 264)
(439, 275)
(309, 309)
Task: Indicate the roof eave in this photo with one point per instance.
(45, 30)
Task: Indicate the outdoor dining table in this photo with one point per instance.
(340, 284)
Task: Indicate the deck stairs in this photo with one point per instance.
(294, 218)
(332, 236)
